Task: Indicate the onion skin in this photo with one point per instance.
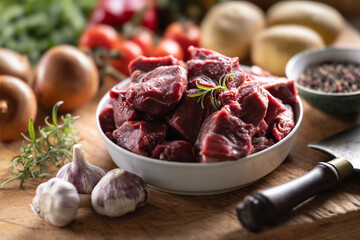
(17, 106)
(65, 73)
(15, 64)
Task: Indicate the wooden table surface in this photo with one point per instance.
(331, 215)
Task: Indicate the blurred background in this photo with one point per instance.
(31, 27)
(350, 9)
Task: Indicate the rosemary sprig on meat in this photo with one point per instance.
(221, 86)
(54, 144)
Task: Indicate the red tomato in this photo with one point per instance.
(128, 51)
(186, 34)
(98, 36)
(118, 12)
(145, 40)
(167, 47)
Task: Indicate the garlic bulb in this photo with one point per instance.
(83, 175)
(119, 192)
(57, 201)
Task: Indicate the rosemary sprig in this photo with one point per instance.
(53, 145)
(221, 86)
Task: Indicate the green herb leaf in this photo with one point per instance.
(203, 87)
(195, 94)
(212, 90)
(54, 112)
(213, 100)
(32, 130)
(53, 145)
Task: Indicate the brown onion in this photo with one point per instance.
(15, 64)
(17, 106)
(65, 73)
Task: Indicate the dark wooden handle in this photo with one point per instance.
(268, 206)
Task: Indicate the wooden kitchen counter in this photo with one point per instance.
(332, 215)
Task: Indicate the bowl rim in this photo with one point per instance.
(308, 53)
(105, 100)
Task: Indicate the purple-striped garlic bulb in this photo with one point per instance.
(83, 175)
(118, 193)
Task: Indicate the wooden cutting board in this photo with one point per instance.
(333, 215)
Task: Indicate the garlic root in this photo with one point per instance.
(57, 201)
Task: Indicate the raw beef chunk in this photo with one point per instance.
(140, 137)
(282, 124)
(187, 117)
(224, 137)
(229, 97)
(261, 129)
(253, 101)
(259, 72)
(281, 88)
(261, 143)
(122, 110)
(207, 63)
(203, 53)
(160, 91)
(106, 119)
(147, 64)
(175, 151)
(275, 107)
(249, 102)
(136, 77)
(201, 80)
(237, 73)
(213, 65)
(211, 68)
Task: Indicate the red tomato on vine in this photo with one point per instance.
(127, 52)
(100, 35)
(185, 33)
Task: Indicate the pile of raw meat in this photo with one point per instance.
(158, 117)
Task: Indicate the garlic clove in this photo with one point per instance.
(82, 174)
(57, 201)
(118, 193)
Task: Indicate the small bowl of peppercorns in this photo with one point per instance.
(328, 79)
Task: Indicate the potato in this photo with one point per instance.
(272, 48)
(322, 18)
(229, 28)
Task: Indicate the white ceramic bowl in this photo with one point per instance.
(201, 178)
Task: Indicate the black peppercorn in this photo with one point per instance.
(334, 77)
